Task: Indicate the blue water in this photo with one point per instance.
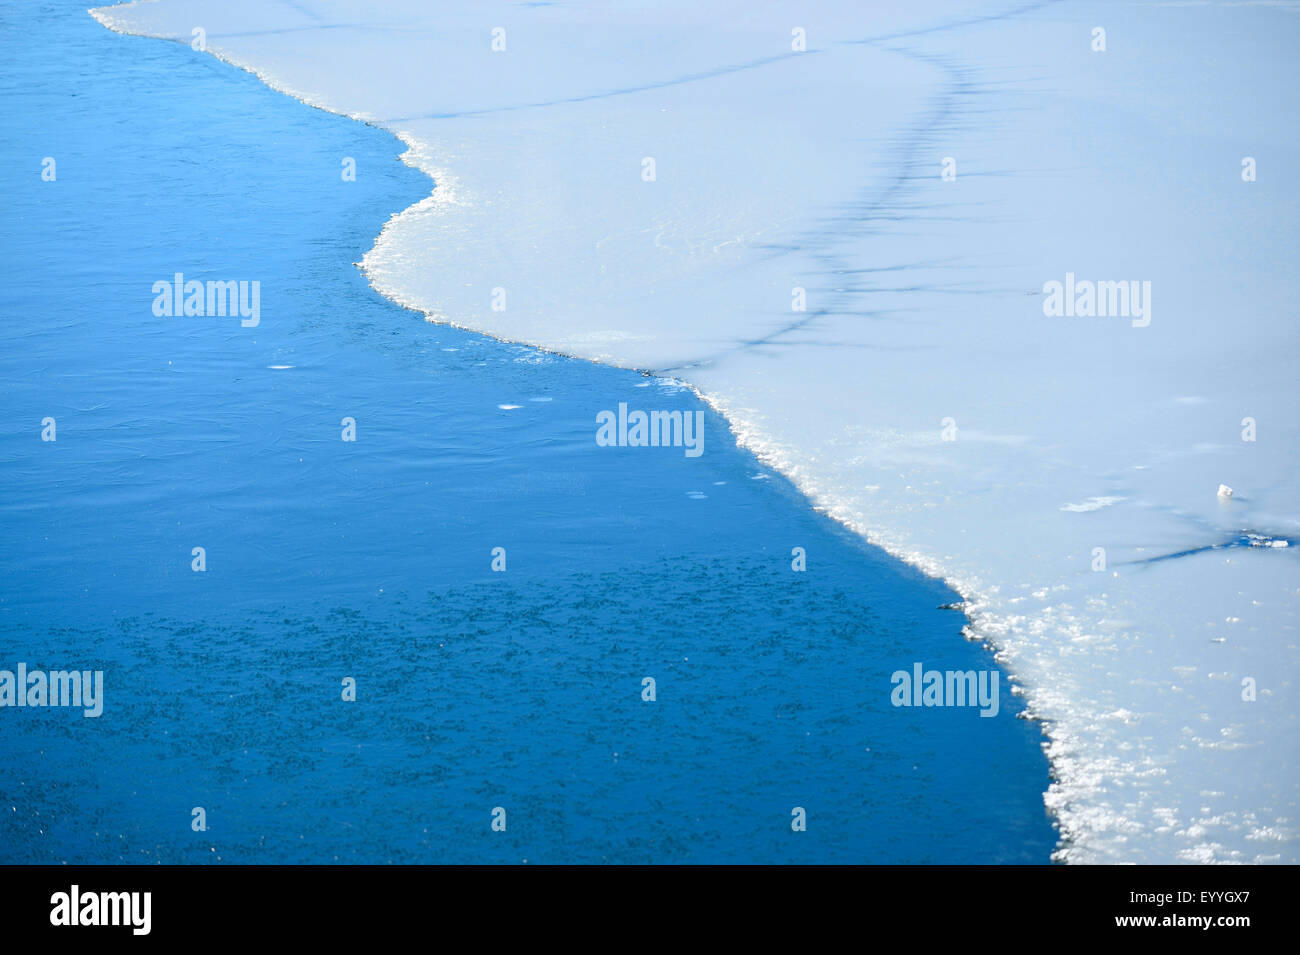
(372, 559)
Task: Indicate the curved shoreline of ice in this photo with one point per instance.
(1148, 736)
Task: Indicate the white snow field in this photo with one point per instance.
(823, 169)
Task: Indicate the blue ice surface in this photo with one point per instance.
(372, 559)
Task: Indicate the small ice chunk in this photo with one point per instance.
(1225, 492)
